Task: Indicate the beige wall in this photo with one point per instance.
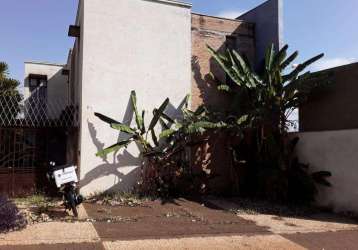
(57, 86)
(127, 45)
(335, 151)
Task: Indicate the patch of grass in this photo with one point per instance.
(40, 202)
(36, 199)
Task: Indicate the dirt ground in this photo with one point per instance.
(154, 219)
(185, 224)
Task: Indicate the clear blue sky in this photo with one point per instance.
(37, 29)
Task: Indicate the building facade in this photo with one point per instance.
(157, 48)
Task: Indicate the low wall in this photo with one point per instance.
(335, 106)
(334, 151)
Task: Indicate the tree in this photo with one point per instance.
(10, 97)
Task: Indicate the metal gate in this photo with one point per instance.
(24, 157)
(30, 137)
(22, 152)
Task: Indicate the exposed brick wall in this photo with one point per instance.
(214, 155)
(214, 32)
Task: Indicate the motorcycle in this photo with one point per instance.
(66, 179)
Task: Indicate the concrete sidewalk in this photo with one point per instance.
(338, 240)
(184, 225)
(273, 242)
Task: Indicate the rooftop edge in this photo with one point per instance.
(224, 18)
(45, 63)
(173, 2)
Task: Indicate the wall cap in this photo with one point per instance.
(172, 2)
(45, 63)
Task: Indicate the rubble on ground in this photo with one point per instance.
(116, 199)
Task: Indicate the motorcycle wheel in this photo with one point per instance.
(72, 203)
(74, 210)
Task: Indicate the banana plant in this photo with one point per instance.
(263, 101)
(138, 133)
(174, 130)
(193, 122)
(274, 92)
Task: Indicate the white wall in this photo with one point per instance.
(57, 86)
(128, 45)
(335, 151)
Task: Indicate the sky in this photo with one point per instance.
(36, 30)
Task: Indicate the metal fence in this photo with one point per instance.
(37, 111)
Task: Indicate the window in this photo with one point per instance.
(36, 81)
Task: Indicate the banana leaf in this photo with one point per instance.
(186, 101)
(201, 126)
(167, 133)
(301, 67)
(138, 117)
(113, 148)
(142, 129)
(270, 53)
(123, 128)
(154, 137)
(224, 87)
(288, 61)
(200, 110)
(224, 65)
(279, 58)
(106, 119)
(158, 113)
(242, 120)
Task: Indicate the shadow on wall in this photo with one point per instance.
(119, 162)
(209, 93)
(114, 163)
